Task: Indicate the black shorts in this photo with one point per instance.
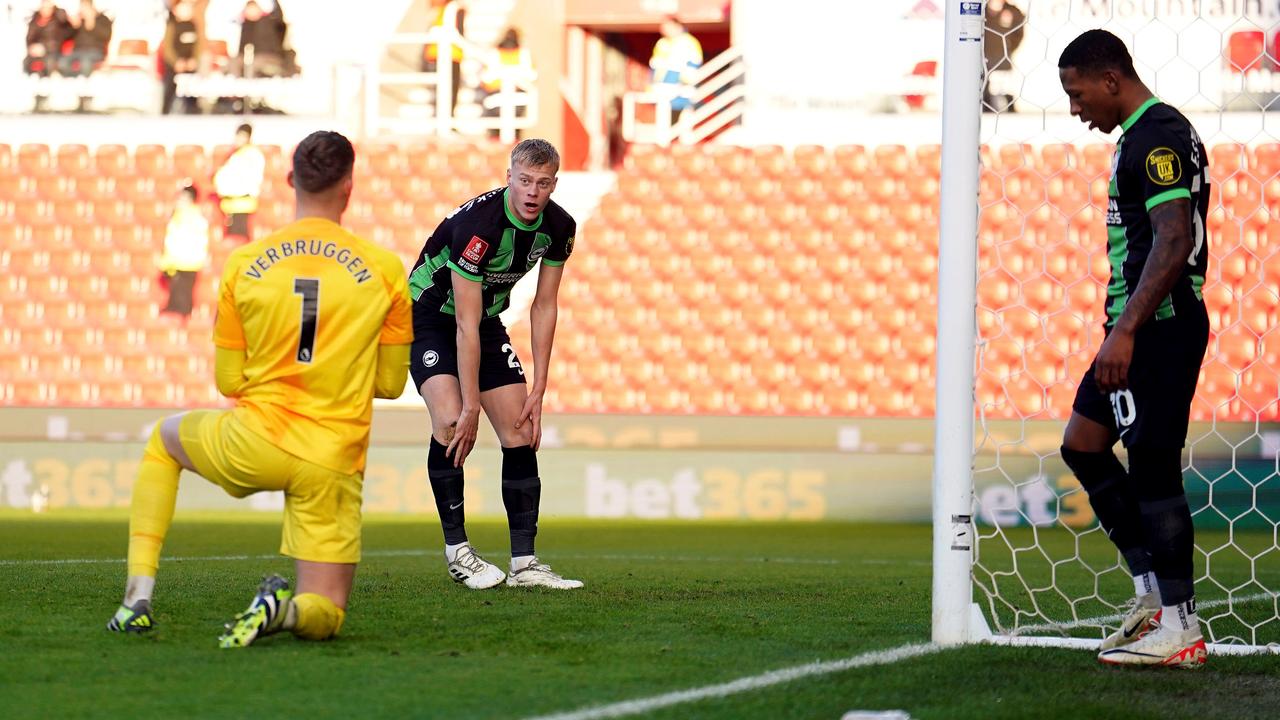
(1155, 409)
(435, 352)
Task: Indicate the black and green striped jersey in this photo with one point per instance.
(483, 240)
(1158, 158)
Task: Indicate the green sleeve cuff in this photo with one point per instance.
(1166, 196)
(553, 263)
(454, 267)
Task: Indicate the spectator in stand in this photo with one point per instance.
(180, 51)
(239, 182)
(676, 56)
(514, 63)
(90, 37)
(186, 251)
(430, 53)
(262, 47)
(1004, 26)
(48, 29)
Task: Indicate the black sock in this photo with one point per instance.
(1166, 519)
(521, 494)
(446, 485)
(1114, 502)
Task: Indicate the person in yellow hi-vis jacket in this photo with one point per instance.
(313, 323)
(186, 251)
(238, 182)
(676, 58)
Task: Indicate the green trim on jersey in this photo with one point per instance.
(554, 263)
(454, 267)
(1124, 126)
(1197, 286)
(1166, 196)
(515, 219)
(1117, 254)
(501, 261)
(420, 279)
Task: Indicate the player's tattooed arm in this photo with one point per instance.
(1171, 223)
(1170, 249)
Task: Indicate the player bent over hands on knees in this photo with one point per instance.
(462, 360)
(313, 323)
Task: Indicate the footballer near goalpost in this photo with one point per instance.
(462, 360)
(1142, 381)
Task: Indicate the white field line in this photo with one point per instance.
(744, 684)
(1103, 619)
(422, 552)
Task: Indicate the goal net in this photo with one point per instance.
(1040, 568)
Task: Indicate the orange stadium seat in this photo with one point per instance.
(852, 160)
(34, 159)
(812, 160)
(1264, 161)
(151, 160)
(771, 160)
(1096, 161)
(74, 160)
(192, 161)
(891, 161)
(1226, 160)
(111, 160)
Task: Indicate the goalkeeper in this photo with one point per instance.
(1141, 383)
(313, 323)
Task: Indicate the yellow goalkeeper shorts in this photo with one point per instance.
(321, 506)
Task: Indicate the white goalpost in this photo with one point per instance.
(1018, 558)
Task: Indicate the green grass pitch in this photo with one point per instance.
(667, 607)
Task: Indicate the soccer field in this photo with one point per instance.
(667, 608)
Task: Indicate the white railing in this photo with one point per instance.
(516, 89)
(717, 101)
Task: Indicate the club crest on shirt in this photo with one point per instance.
(568, 246)
(1163, 166)
(537, 252)
(475, 249)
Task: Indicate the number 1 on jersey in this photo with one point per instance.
(309, 289)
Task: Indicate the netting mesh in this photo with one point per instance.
(1042, 564)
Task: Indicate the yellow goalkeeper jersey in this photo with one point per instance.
(309, 305)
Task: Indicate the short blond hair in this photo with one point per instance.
(535, 152)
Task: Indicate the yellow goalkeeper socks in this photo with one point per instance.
(155, 491)
(317, 617)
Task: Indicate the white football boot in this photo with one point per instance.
(535, 574)
(474, 571)
(1139, 619)
(1162, 646)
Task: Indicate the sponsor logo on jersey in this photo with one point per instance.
(1163, 166)
(1113, 212)
(568, 246)
(502, 278)
(430, 358)
(475, 249)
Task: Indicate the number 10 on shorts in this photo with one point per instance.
(1124, 408)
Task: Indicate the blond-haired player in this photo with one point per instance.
(313, 323)
(463, 361)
